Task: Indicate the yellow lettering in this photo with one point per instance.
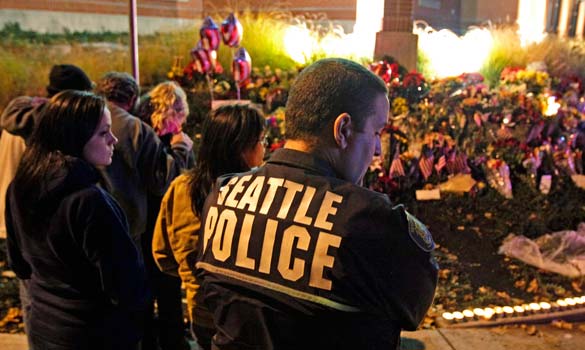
(301, 214)
(284, 260)
(252, 194)
(224, 235)
(210, 222)
(268, 246)
(242, 259)
(322, 260)
(231, 200)
(327, 209)
(223, 191)
(273, 185)
(291, 190)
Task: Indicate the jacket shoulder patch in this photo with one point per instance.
(419, 233)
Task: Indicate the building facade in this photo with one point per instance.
(154, 15)
(562, 17)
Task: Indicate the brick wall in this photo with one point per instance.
(453, 14)
(332, 9)
(156, 8)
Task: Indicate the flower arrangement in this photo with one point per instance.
(521, 130)
(532, 80)
(275, 129)
(527, 127)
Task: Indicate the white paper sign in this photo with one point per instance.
(428, 195)
(545, 184)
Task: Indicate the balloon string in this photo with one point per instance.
(233, 49)
(210, 86)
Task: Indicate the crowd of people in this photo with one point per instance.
(109, 212)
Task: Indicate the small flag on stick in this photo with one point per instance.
(426, 166)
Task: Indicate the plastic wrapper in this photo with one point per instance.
(561, 252)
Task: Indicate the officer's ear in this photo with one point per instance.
(342, 128)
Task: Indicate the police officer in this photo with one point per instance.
(296, 254)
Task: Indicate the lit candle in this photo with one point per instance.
(544, 306)
(508, 310)
(519, 310)
(468, 314)
(579, 300)
(447, 316)
(499, 311)
(570, 302)
(458, 316)
(479, 312)
(488, 313)
(535, 307)
(562, 304)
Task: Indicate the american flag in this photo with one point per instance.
(426, 166)
(396, 167)
(570, 161)
(457, 163)
(441, 163)
(462, 163)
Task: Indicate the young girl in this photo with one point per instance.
(68, 239)
(232, 141)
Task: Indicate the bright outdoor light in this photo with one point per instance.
(299, 43)
(448, 54)
(451, 55)
(531, 21)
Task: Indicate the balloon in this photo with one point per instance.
(202, 59)
(241, 66)
(209, 34)
(231, 31)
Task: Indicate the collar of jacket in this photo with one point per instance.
(302, 160)
(68, 175)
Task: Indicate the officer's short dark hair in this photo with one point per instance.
(118, 87)
(326, 89)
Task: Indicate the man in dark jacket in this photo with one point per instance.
(142, 165)
(296, 254)
(18, 118)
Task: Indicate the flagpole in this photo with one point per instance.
(134, 41)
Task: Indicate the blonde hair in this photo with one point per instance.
(162, 100)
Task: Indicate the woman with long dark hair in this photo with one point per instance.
(232, 140)
(67, 237)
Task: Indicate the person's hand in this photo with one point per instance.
(183, 138)
(37, 101)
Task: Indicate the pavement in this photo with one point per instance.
(537, 337)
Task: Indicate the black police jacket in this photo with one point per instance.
(293, 258)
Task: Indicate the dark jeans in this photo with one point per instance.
(164, 325)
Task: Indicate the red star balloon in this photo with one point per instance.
(231, 31)
(209, 33)
(241, 66)
(202, 58)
